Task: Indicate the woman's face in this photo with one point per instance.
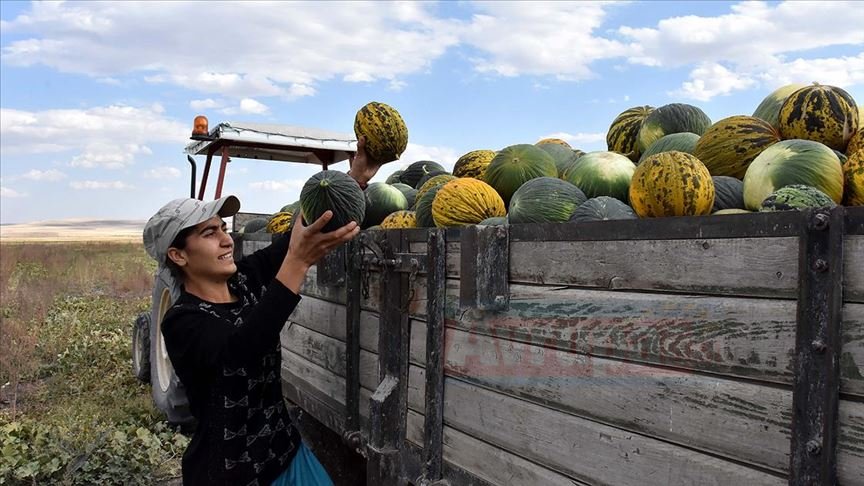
(209, 252)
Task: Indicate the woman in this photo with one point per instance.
(222, 335)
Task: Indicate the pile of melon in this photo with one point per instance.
(801, 148)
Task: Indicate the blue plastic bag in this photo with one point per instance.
(305, 470)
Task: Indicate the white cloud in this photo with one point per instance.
(712, 79)
(101, 135)
(91, 185)
(294, 47)
(285, 185)
(205, 104)
(248, 105)
(108, 156)
(750, 46)
(541, 40)
(10, 193)
(580, 140)
(51, 175)
(163, 172)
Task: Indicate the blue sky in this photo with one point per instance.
(97, 99)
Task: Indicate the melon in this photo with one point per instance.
(409, 192)
(856, 143)
(465, 201)
(853, 172)
(385, 131)
(516, 165)
(430, 175)
(793, 162)
(335, 191)
(602, 208)
(279, 223)
(381, 200)
(821, 113)
(730, 211)
(553, 141)
(438, 180)
(602, 174)
(731, 144)
(254, 225)
(290, 207)
(473, 164)
(796, 197)
(394, 177)
(671, 184)
(400, 219)
(623, 134)
(564, 156)
(423, 208)
(728, 193)
(545, 200)
(494, 221)
(414, 172)
(681, 142)
(769, 109)
(671, 118)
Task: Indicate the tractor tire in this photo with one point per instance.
(141, 348)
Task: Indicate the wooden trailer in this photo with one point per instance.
(723, 350)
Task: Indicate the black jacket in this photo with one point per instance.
(228, 357)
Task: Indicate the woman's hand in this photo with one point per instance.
(308, 245)
(362, 169)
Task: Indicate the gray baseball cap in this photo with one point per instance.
(179, 214)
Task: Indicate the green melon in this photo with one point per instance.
(394, 177)
(423, 209)
(769, 109)
(438, 180)
(545, 200)
(336, 191)
(553, 141)
(516, 165)
(602, 208)
(796, 197)
(623, 134)
(385, 131)
(409, 192)
(681, 142)
(473, 164)
(840, 155)
(671, 118)
(381, 200)
(414, 172)
(824, 114)
(728, 193)
(602, 174)
(793, 162)
(430, 175)
(730, 211)
(731, 144)
(564, 156)
(254, 225)
(494, 221)
(290, 208)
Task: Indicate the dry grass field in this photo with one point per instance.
(71, 411)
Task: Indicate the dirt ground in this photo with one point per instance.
(69, 230)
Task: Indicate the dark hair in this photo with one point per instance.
(179, 243)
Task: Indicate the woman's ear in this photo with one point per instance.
(177, 256)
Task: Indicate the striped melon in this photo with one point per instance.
(545, 200)
(564, 156)
(731, 144)
(465, 201)
(423, 208)
(602, 208)
(381, 200)
(417, 170)
(853, 171)
(672, 118)
(793, 162)
(555, 141)
(494, 221)
(279, 223)
(516, 165)
(473, 164)
(769, 109)
(409, 192)
(730, 211)
(624, 132)
(796, 197)
(394, 177)
(438, 180)
(255, 225)
(856, 143)
(824, 114)
(728, 193)
(602, 174)
(385, 131)
(400, 219)
(336, 191)
(681, 142)
(671, 184)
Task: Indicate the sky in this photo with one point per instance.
(97, 99)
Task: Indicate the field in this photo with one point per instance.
(71, 412)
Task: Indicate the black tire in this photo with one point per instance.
(141, 348)
(168, 392)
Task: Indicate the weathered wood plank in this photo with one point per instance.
(853, 265)
(328, 353)
(488, 462)
(577, 447)
(329, 318)
(740, 337)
